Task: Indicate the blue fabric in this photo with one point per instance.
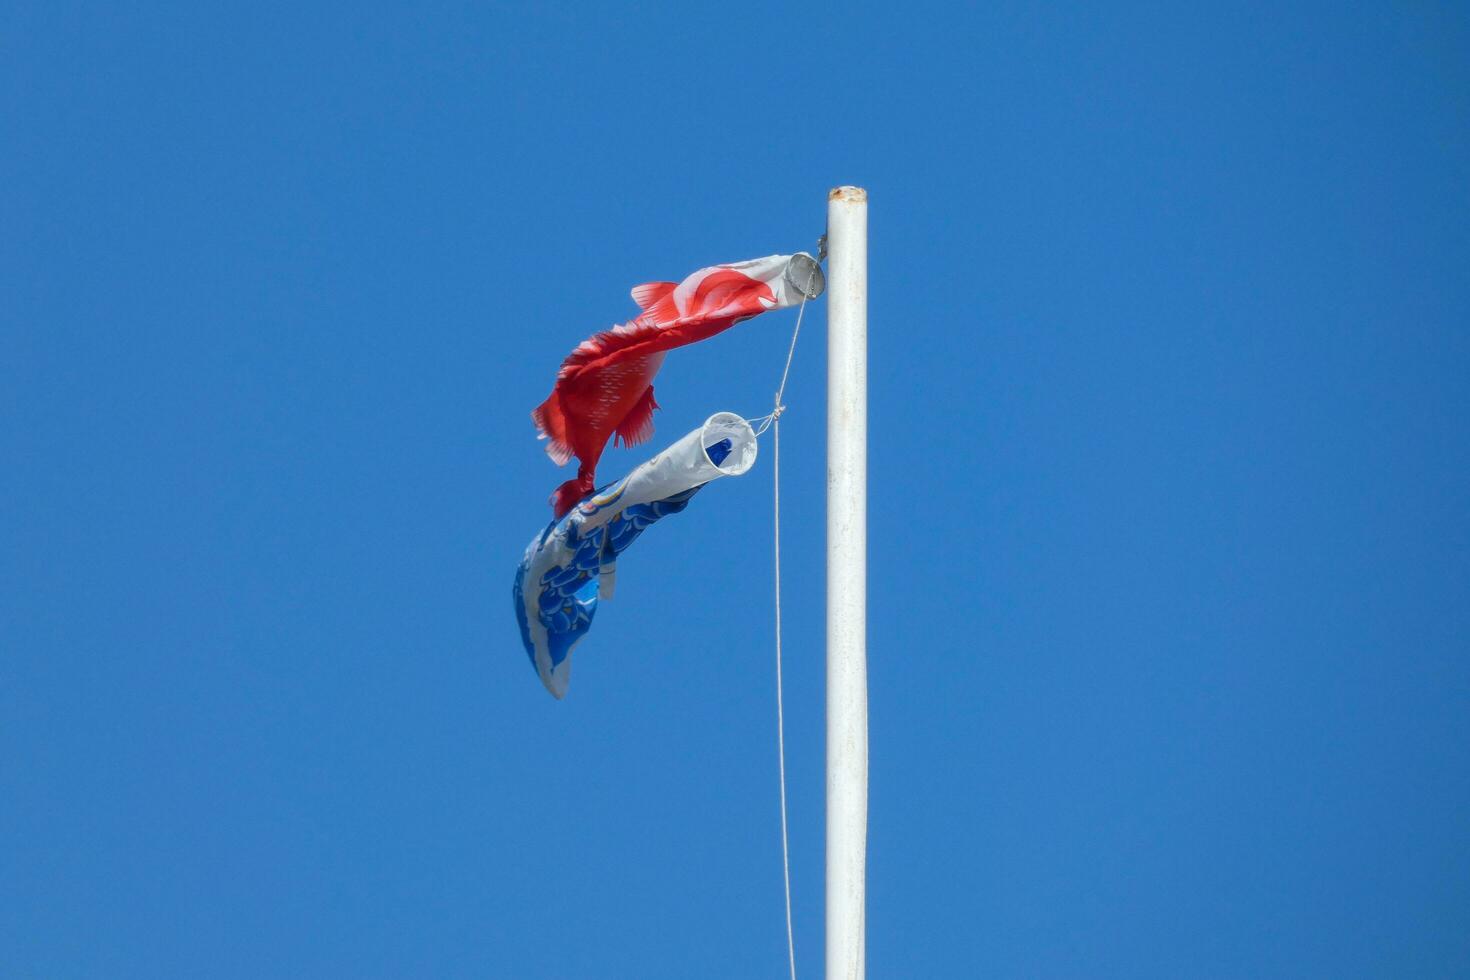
(568, 592)
(571, 565)
(718, 452)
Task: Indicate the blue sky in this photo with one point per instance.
(1170, 624)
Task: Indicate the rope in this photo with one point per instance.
(780, 714)
(762, 423)
(766, 421)
(774, 420)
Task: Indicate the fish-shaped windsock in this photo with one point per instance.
(605, 386)
(569, 566)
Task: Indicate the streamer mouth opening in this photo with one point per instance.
(804, 273)
(729, 443)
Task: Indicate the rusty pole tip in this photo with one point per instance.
(853, 195)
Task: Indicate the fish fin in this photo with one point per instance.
(566, 496)
(656, 300)
(552, 426)
(637, 425)
(608, 346)
(650, 293)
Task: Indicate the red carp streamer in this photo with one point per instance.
(605, 387)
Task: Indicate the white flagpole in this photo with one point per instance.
(847, 547)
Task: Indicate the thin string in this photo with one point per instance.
(774, 420)
(767, 420)
(780, 714)
(762, 423)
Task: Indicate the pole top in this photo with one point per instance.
(848, 194)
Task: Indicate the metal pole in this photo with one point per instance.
(847, 568)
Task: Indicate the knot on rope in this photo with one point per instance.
(767, 420)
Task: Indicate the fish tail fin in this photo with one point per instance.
(566, 496)
(551, 423)
(637, 425)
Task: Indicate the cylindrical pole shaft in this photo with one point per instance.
(847, 570)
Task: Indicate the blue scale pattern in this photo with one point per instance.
(568, 596)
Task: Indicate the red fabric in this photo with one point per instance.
(606, 384)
